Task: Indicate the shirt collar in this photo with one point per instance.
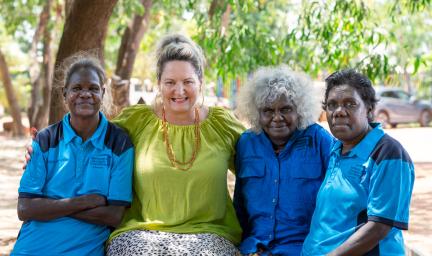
(98, 142)
(291, 140)
(364, 148)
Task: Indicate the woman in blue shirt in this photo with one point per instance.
(79, 180)
(280, 161)
(363, 203)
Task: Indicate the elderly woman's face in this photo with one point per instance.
(279, 120)
(347, 114)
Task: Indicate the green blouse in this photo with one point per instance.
(168, 199)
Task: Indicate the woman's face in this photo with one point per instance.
(179, 86)
(279, 120)
(347, 114)
(84, 93)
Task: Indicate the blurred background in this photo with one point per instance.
(388, 40)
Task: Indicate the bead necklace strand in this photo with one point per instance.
(184, 166)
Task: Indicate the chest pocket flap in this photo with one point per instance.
(252, 167)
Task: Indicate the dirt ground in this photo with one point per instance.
(417, 141)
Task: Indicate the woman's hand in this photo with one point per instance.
(29, 149)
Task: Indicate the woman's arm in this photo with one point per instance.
(45, 209)
(363, 240)
(110, 215)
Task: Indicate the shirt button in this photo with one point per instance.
(270, 236)
(274, 200)
(271, 217)
(275, 181)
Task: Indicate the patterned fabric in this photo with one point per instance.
(170, 200)
(145, 242)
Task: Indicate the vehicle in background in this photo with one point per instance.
(396, 106)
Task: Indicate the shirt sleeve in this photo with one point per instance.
(120, 188)
(326, 145)
(232, 129)
(390, 190)
(238, 197)
(34, 176)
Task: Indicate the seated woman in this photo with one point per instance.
(280, 162)
(181, 204)
(79, 179)
(363, 203)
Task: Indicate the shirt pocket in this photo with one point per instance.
(303, 182)
(251, 177)
(97, 175)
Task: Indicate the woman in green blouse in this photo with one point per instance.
(183, 150)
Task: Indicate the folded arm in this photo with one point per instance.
(363, 240)
(45, 209)
(110, 215)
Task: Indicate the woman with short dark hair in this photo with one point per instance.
(79, 180)
(363, 203)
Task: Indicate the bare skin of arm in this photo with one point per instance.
(363, 240)
(45, 209)
(110, 215)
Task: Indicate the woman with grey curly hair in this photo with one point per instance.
(280, 161)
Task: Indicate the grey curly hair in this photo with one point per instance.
(267, 85)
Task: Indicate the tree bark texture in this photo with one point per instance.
(128, 50)
(131, 40)
(84, 30)
(18, 129)
(36, 118)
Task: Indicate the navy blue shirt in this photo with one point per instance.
(275, 193)
(372, 182)
(63, 166)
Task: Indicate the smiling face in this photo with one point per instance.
(347, 115)
(84, 93)
(179, 86)
(279, 120)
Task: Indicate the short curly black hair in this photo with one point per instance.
(358, 81)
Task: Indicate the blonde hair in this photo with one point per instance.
(267, 85)
(179, 47)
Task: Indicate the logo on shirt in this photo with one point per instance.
(99, 162)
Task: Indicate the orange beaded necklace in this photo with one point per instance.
(183, 166)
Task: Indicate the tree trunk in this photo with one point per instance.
(128, 50)
(35, 69)
(85, 29)
(46, 81)
(10, 94)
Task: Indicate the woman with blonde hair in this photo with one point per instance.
(181, 204)
(280, 161)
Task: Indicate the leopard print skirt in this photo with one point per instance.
(147, 242)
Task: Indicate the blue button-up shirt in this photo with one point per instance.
(275, 193)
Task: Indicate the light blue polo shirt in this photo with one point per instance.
(372, 182)
(62, 166)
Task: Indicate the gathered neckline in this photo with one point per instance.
(206, 120)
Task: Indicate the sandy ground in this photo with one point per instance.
(417, 141)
